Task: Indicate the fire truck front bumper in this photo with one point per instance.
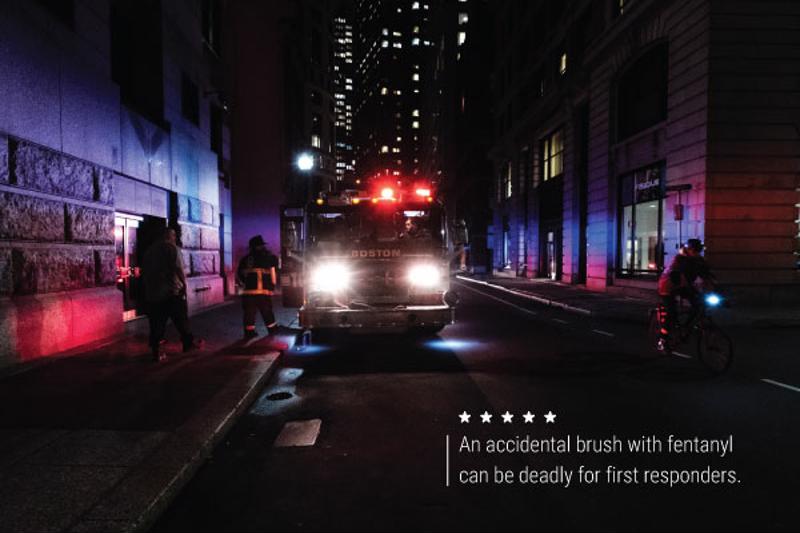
(378, 317)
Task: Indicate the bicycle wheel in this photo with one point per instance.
(714, 349)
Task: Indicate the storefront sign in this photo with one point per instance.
(647, 184)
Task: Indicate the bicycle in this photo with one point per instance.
(714, 347)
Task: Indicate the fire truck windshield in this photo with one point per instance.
(371, 224)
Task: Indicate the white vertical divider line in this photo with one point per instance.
(447, 460)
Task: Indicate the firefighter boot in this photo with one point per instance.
(160, 352)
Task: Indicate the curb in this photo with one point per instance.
(136, 502)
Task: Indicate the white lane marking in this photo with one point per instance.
(601, 332)
(679, 354)
(501, 300)
(560, 321)
(447, 461)
(527, 295)
(779, 384)
(298, 433)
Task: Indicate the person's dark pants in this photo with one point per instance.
(670, 304)
(257, 303)
(173, 308)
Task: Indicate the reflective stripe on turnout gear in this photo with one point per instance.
(260, 273)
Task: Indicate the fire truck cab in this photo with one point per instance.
(368, 262)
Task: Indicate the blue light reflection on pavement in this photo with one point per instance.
(452, 344)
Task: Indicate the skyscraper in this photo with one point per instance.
(392, 47)
(344, 93)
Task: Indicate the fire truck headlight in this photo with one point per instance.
(330, 277)
(425, 276)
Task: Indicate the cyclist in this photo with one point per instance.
(680, 279)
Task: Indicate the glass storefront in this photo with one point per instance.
(641, 250)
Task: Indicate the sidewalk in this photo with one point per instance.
(102, 441)
(604, 305)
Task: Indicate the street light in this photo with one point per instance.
(305, 162)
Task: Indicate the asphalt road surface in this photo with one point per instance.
(391, 452)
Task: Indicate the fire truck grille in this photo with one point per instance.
(385, 286)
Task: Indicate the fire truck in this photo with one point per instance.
(368, 262)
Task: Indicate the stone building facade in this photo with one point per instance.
(625, 128)
(110, 129)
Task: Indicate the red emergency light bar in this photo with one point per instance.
(421, 192)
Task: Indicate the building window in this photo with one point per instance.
(562, 64)
(415, 124)
(190, 100)
(506, 188)
(642, 93)
(462, 37)
(463, 18)
(212, 19)
(384, 149)
(641, 250)
(215, 113)
(137, 56)
(316, 142)
(552, 156)
(415, 76)
(797, 238)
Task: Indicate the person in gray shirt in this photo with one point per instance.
(165, 294)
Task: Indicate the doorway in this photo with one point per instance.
(126, 230)
(133, 235)
(550, 256)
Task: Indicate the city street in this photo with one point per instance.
(388, 406)
(438, 265)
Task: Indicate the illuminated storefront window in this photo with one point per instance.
(641, 250)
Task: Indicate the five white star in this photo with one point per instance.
(508, 417)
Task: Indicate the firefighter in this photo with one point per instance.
(258, 278)
(165, 292)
